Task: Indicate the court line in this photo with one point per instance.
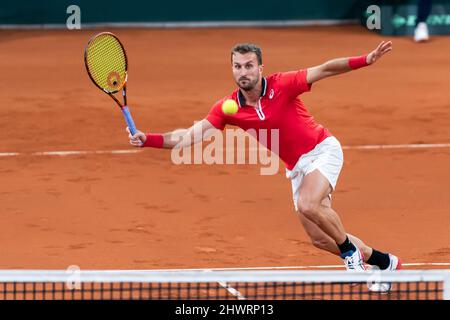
(224, 285)
(232, 290)
(69, 153)
(9, 154)
(132, 151)
(340, 266)
(398, 146)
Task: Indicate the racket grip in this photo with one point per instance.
(129, 120)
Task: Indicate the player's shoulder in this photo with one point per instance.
(274, 76)
(276, 79)
(288, 79)
(280, 75)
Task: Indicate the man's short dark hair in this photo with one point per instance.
(244, 48)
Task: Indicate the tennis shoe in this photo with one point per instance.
(421, 32)
(385, 287)
(354, 260)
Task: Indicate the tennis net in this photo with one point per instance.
(222, 285)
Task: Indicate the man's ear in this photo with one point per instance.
(261, 68)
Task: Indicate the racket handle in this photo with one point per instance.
(129, 120)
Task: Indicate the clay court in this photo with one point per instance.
(140, 211)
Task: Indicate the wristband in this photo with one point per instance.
(357, 62)
(154, 140)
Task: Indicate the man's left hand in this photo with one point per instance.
(383, 47)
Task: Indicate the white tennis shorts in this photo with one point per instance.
(327, 157)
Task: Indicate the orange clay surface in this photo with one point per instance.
(140, 211)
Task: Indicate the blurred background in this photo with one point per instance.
(398, 16)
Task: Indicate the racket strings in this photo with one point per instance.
(106, 62)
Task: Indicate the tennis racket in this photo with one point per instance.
(106, 63)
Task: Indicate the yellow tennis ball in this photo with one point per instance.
(229, 107)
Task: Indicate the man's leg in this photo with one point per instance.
(315, 187)
(423, 10)
(421, 29)
(324, 242)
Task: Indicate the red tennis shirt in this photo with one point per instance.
(279, 108)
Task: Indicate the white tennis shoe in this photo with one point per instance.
(385, 287)
(355, 261)
(421, 32)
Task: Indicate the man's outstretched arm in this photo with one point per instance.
(342, 65)
(179, 138)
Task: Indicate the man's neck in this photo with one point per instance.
(252, 96)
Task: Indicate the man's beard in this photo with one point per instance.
(250, 85)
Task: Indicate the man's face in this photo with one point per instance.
(246, 71)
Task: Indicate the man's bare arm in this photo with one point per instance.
(179, 138)
(342, 65)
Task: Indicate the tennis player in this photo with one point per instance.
(313, 156)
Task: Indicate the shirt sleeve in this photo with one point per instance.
(294, 82)
(216, 116)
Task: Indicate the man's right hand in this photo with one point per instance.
(138, 139)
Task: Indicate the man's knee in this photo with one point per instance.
(309, 208)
